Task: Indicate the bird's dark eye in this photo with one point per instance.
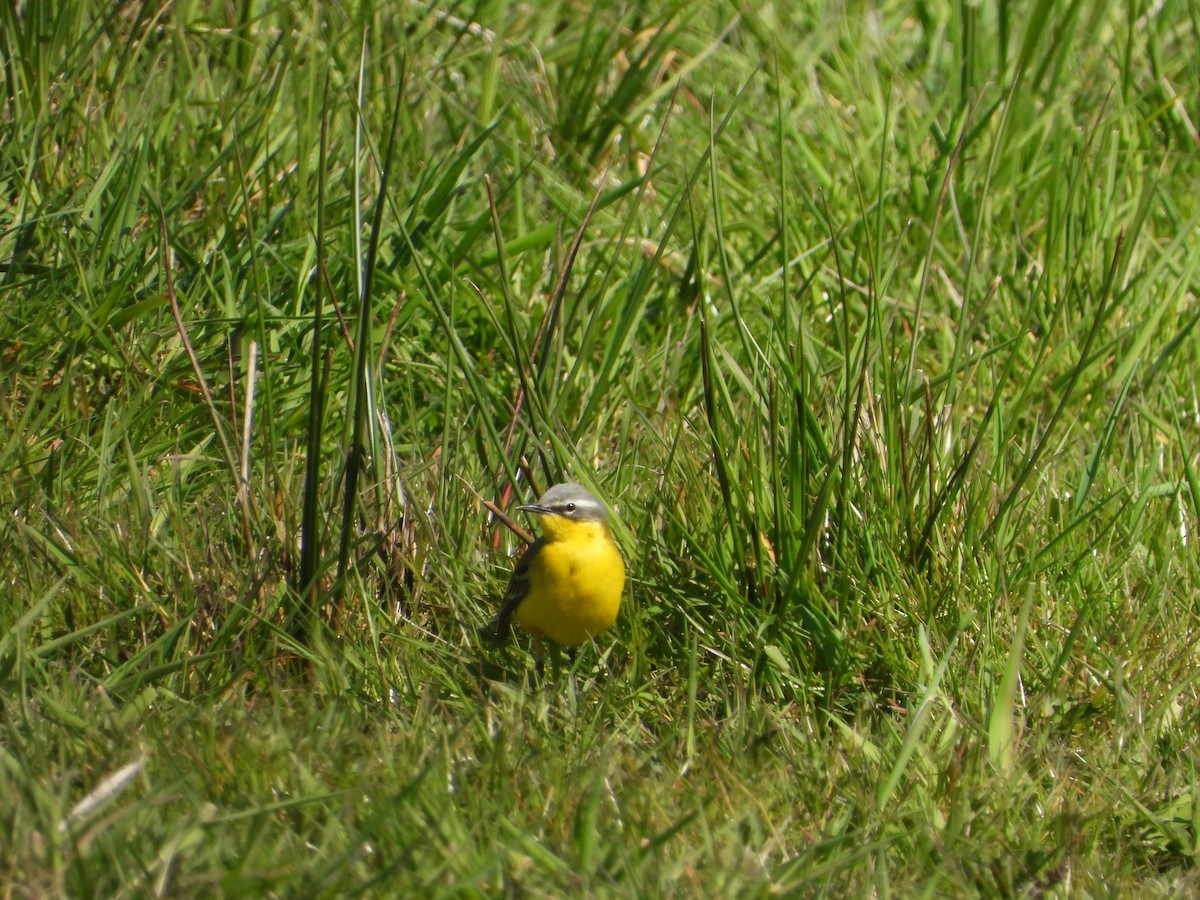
(570, 507)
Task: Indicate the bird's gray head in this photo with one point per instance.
(572, 501)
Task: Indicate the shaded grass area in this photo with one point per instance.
(873, 324)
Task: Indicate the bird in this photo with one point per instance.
(567, 586)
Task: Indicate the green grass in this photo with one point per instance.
(873, 322)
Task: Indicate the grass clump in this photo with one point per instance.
(873, 324)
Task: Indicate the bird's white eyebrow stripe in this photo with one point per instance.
(586, 507)
(570, 501)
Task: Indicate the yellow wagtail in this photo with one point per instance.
(568, 585)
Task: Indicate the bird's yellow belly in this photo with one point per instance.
(575, 591)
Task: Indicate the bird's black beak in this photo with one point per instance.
(536, 508)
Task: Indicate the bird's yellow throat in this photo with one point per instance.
(576, 581)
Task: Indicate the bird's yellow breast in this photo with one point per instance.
(575, 584)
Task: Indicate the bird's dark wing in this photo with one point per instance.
(518, 587)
